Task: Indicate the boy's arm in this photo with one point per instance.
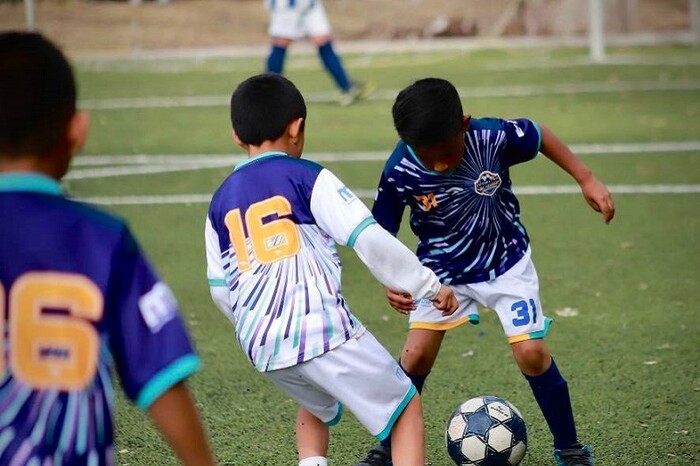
(397, 268)
(347, 220)
(177, 418)
(595, 192)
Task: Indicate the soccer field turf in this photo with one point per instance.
(624, 297)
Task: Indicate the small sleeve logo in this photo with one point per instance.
(158, 306)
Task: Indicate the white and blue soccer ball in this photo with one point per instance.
(486, 431)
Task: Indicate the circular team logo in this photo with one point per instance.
(487, 183)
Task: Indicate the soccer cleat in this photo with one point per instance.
(377, 456)
(578, 455)
(358, 90)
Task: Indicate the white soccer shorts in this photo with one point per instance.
(359, 375)
(304, 19)
(514, 296)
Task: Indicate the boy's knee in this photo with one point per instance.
(532, 356)
(414, 360)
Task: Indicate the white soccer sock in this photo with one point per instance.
(314, 461)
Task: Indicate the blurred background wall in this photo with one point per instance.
(95, 26)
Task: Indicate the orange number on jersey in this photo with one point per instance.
(57, 350)
(271, 241)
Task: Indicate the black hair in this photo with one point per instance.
(428, 112)
(262, 106)
(37, 94)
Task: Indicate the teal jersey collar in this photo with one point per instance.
(29, 182)
(263, 156)
(420, 163)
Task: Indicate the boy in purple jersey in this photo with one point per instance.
(452, 171)
(77, 295)
(274, 271)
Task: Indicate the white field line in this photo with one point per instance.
(627, 60)
(389, 94)
(379, 47)
(101, 165)
(369, 194)
(374, 62)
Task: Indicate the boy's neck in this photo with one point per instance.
(269, 146)
(10, 164)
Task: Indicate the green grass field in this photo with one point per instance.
(631, 352)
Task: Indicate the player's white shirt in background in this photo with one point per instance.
(296, 19)
(283, 291)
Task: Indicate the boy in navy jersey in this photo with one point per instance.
(452, 171)
(77, 295)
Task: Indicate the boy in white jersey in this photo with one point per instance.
(452, 171)
(292, 20)
(274, 271)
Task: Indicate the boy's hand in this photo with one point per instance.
(598, 197)
(446, 301)
(401, 301)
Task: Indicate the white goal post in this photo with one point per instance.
(596, 28)
(29, 14)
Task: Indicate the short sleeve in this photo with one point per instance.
(523, 141)
(388, 205)
(148, 338)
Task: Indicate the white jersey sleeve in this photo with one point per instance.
(215, 269)
(346, 219)
(337, 210)
(394, 265)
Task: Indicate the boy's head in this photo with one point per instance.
(267, 110)
(428, 116)
(39, 125)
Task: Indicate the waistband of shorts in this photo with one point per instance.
(489, 274)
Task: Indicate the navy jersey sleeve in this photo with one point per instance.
(148, 338)
(388, 203)
(523, 141)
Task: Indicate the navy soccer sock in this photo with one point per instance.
(418, 382)
(275, 61)
(334, 66)
(552, 394)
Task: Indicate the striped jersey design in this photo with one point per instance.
(467, 221)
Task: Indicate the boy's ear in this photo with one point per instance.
(237, 140)
(78, 128)
(465, 122)
(295, 128)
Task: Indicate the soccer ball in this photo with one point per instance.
(486, 431)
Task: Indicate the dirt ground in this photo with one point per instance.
(86, 27)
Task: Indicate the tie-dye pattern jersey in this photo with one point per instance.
(271, 236)
(77, 300)
(467, 221)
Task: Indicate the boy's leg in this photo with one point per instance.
(550, 389)
(552, 395)
(417, 358)
(333, 64)
(312, 439)
(278, 52)
(515, 297)
(408, 436)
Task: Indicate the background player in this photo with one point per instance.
(275, 273)
(292, 20)
(452, 171)
(76, 293)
